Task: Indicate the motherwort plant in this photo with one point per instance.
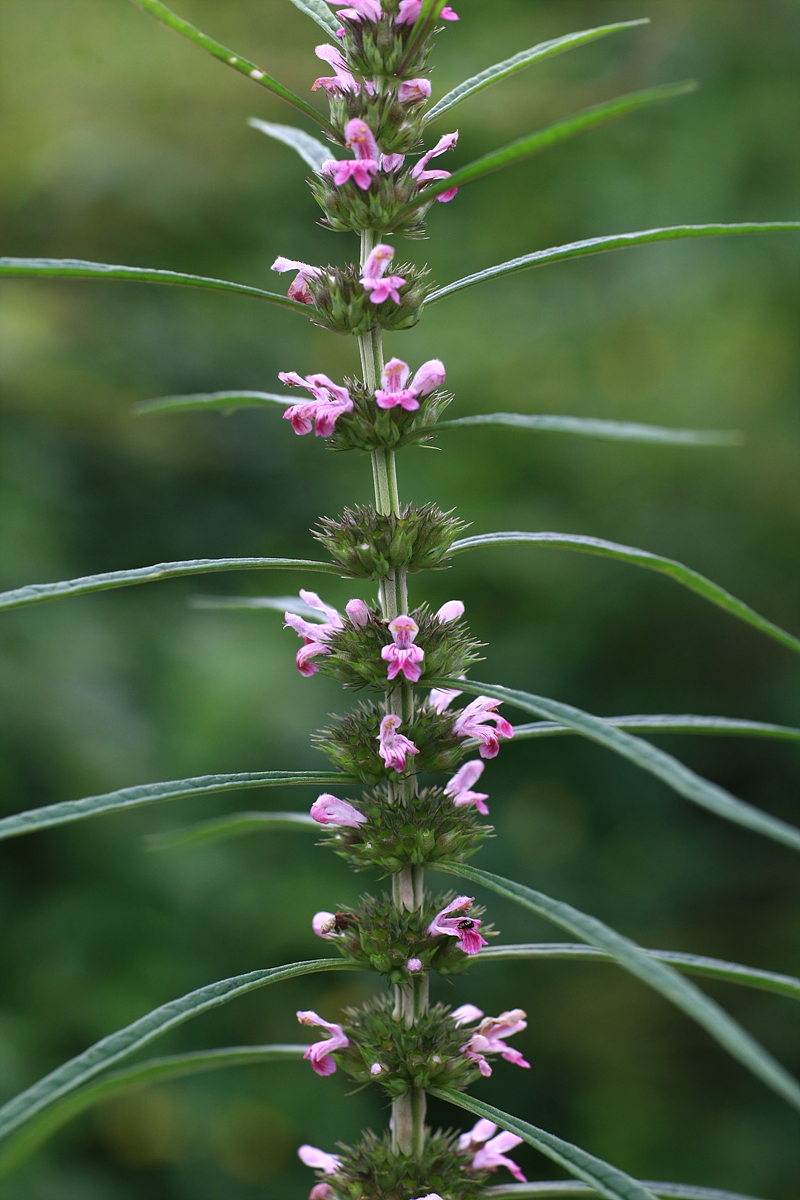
(408, 762)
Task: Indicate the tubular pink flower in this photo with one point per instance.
(298, 289)
(479, 1134)
(394, 378)
(330, 810)
(318, 1159)
(369, 9)
(439, 698)
(491, 1156)
(409, 11)
(393, 747)
(343, 81)
(489, 1037)
(464, 928)
(373, 272)
(392, 162)
(361, 170)
(319, 1053)
(329, 403)
(403, 655)
(473, 722)
(422, 175)
(451, 611)
(315, 635)
(358, 612)
(359, 138)
(463, 1016)
(306, 653)
(413, 91)
(320, 1191)
(448, 14)
(459, 787)
(311, 598)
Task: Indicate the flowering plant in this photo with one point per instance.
(378, 182)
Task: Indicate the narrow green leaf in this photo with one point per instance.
(19, 1147)
(46, 817)
(590, 118)
(656, 762)
(423, 26)
(655, 974)
(615, 241)
(606, 1180)
(228, 402)
(243, 65)
(691, 964)
(312, 152)
(618, 431)
(319, 12)
(36, 593)
(555, 1189)
(272, 603)
(663, 723)
(235, 825)
(110, 1050)
(76, 268)
(639, 558)
(510, 66)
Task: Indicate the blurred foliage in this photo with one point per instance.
(122, 144)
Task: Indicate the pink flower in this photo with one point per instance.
(373, 272)
(403, 655)
(343, 81)
(370, 9)
(376, 1069)
(334, 621)
(392, 162)
(315, 635)
(319, 1054)
(393, 746)
(491, 1156)
(329, 1164)
(439, 698)
(409, 11)
(298, 289)
(423, 176)
(395, 377)
(459, 787)
(414, 966)
(479, 1134)
(451, 611)
(329, 403)
(463, 1016)
(323, 924)
(360, 139)
(358, 612)
(473, 723)
(321, 1191)
(489, 1037)
(413, 91)
(464, 928)
(329, 810)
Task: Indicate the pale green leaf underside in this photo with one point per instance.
(110, 1050)
(46, 817)
(691, 964)
(76, 268)
(607, 1180)
(518, 62)
(223, 54)
(618, 431)
(236, 825)
(202, 401)
(16, 1149)
(666, 723)
(565, 1188)
(312, 152)
(589, 118)
(36, 593)
(319, 12)
(656, 762)
(638, 558)
(280, 604)
(656, 974)
(614, 241)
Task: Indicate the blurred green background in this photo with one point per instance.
(121, 143)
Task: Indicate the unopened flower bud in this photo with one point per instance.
(451, 611)
(376, 1069)
(358, 612)
(413, 966)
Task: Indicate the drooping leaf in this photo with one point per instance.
(664, 723)
(656, 974)
(618, 431)
(319, 12)
(36, 593)
(589, 118)
(656, 762)
(312, 152)
(227, 402)
(272, 603)
(235, 825)
(49, 815)
(76, 268)
(110, 1050)
(557, 1188)
(243, 65)
(615, 241)
(691, 964)
(518, 62)
(606, 1180)
(16, 1149)
(638, 558)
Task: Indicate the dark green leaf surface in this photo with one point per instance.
(319, 12)
(664, 723)
(518, 62)
(202, 401)
(607, 1180)
(618, 431)
(312, 152)
(638, 558)
(615, 241)
(235, 825)
(654, 973)
(656, 762)
(555, 1189)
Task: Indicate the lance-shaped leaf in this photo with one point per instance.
(76, 268)
(37, 593)
(110, 1050)
(312, 152)
(617, 431)
(638, 558)
(236, 825)
(319, 12)
(606, 1180)
(691, 964)
(656, 762)
(657, 975)
(545, 1190)
(68, 811)
(226, 402)
(615, 241)
(525, 58)
(589, 118)
(17, 1148)
(243, 65)
(666, 723)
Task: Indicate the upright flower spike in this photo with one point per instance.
(403, 656)
(394, 747)
(422, 175)
(298, 288)
(394, 378)
(459, 787)
(489, 1037)
(375, 280)
(464, 928)
(474, 722)
(329, 403)
(330, 810)
(319, 1054)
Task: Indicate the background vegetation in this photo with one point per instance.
(121, 144)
